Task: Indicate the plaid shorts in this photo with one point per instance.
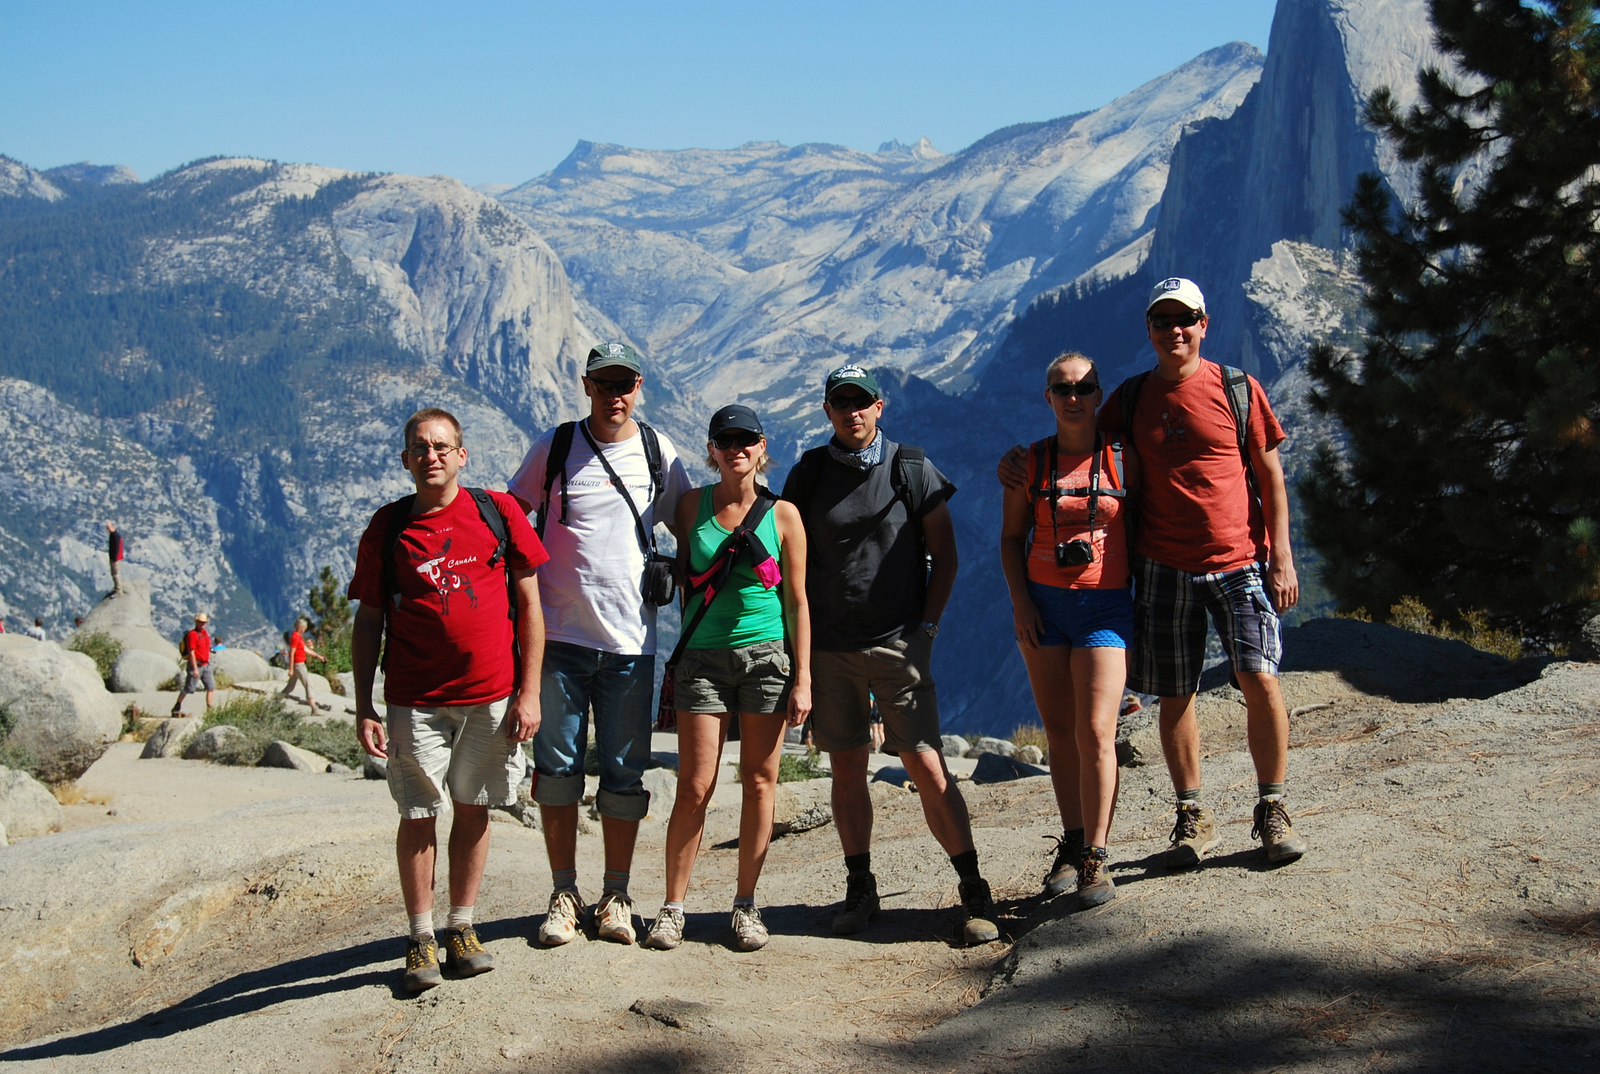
(1169, 636)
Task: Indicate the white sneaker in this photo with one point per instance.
(666, 932)
(561, 923)
(748, 929)
(613, 918)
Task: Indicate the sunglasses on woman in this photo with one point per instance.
(729, 441)
(1161, 322)
(1082, 388)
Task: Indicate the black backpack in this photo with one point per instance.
(1235, 385)
(400, 517)
(555, 465)
(905, 477)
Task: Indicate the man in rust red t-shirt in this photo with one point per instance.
(461, 678)
(196, 651)
(1212, 537)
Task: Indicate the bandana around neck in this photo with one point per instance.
(865, 459)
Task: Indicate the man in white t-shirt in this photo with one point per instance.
(600, 630)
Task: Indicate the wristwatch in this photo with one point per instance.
(930, 629)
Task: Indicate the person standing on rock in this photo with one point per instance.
(36, 631)
(114, 554)
(1200, 446)
(447, 574)
(600, 486)
(298, 650)
(875, 515)
(195, 648)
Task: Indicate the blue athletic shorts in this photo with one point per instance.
(1084, 618)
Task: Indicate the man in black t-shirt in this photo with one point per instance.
(875, 515)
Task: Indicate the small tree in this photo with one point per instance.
(1472, 476)
(331, 620)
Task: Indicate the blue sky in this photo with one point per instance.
(500, 92)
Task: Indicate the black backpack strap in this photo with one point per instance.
(399, 516)
(489, 511)
(652, 459)
(905, 478)
(1236, 386)
(555, 464)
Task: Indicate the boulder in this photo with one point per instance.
(662, 783)
(213, 740)
(1030, 755)
(241, 665)
(894, 776)
(954, 745)
(170, 737)
(280, 754)
(139, 671)
(1587, 645)
(374, 767)
(802, 805)
(60, 712)
(126, 617)
(27, 807)
(997, 768)
(1001, 746)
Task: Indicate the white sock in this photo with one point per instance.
(678, 906)
(460, 916)
(422, 925)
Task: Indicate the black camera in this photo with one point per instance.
(659, 587)
(1074, 554)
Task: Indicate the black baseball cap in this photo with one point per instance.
(733, 416)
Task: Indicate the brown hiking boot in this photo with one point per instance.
(1094, 880)
(1277, 836)
(1064, 870)
(860, 903)
(464, 953)
(1193, 834)
(979, 926)
(422, 965)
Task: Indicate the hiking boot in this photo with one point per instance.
(748, 931)
(979, 926)
(1094, 880)
(1069, 851)
(613, 918)
(666, 931)
(422, 965)
(464, 953)
(561, 923)
(860, 903)
(1193, 834)
(1276, 834)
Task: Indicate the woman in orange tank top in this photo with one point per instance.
(1064, 550)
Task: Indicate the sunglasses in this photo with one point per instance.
(615, 387)
(1161, 322)
(1081, 389)
(741, 439)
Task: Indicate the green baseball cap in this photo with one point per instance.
(613, 354)
(851, 376)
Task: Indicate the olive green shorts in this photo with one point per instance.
(753, 678)
(897, 674)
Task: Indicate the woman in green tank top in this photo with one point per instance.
(749, 654)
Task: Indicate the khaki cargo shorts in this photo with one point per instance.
(897, 674)
(459, 748)
(752, 678)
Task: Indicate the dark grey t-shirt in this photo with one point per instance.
(863, 571)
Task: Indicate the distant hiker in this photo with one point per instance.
(297, 649)
(447, 573)
(1200, 446)
(875, 514)
(114, 554)
(1064, 552)
(600, 486)
(216, 642)
(195, 648)
(77, 624)
(36, 631)
(745, 655)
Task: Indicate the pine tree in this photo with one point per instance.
(332, 623)
(1472, 476)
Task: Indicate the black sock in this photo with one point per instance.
(858, 863)
(1072, 835)
(966, 864)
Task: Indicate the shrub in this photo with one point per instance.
(1474, 629)
(1032, 734)
(12, 755)
(100, 647)
(793, 769)
(262, 719)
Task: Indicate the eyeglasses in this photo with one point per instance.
(615, 387)
(1082, 388)
(421, 449)
(737, 439)
(851, 401)
(1161, 322)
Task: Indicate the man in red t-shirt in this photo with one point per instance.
(297, 663)
(461, 695)
(196, 651)
(114, 556)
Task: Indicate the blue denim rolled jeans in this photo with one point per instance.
(618, 688)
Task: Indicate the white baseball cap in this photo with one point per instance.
(1179, 290)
